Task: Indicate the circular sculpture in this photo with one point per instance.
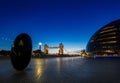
(21, 51)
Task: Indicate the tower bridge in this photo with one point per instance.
(60, 51)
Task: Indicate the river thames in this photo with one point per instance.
(62, 70)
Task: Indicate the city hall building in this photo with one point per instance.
(106, 41)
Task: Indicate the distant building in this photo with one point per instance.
(105, 41)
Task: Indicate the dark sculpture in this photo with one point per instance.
(21, 51)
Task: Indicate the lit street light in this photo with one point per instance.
(40, 44)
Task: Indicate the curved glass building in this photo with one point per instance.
(106, 41)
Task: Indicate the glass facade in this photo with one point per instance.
(106, 41)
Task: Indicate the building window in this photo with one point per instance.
(113, 33)
(108, 27)
(114, 37)
(108, 42)
(104, 31)
(92, 41)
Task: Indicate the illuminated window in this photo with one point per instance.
(92, 41)
(108, 27)
(108, 42)
(113, 33)
(108, 50)
(114, 37)
(108, 30)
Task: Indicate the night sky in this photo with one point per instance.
(51, 22)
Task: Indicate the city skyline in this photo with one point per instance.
(51, 22)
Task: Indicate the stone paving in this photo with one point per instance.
(62, 70)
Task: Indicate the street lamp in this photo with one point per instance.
(40, 44)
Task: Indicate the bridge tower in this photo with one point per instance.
(45, 49)
(61, 46)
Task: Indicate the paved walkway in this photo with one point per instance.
(63, 70)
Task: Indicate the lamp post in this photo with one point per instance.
(40, 44)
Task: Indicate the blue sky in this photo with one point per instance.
(71, 22)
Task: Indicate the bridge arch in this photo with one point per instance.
(61, 47)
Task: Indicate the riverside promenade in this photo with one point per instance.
(62, 70)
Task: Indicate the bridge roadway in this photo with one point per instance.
(62, 70)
